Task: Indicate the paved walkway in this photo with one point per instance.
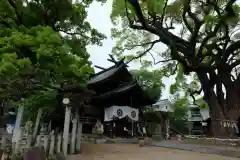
(223, 151)
(181, 145)
(134, 152)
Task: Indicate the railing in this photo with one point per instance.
(196, 115)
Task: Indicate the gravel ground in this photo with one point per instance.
(134, 152)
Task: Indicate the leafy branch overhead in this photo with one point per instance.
(43, 48)
(205, 24)
(200, 36)
(151, 81)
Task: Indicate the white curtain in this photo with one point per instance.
(121, 112)
(10, 128)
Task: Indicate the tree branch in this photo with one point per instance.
(138, 45)
(192, 93)
(164, 11)
(234, 64)
(185, 20)
(130, 47)
(222, 21)
(18, 15)
(3, 22)
(166, 37)
(131, 25)
(234, 46)
(197, 25)
(197, 91)
(193, 16)
(162, 61)
(175, 69)
(145, 52)
(207, 38)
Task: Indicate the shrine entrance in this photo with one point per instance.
(120, 98)
(122, 121)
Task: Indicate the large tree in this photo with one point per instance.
(202, 37)
(43, 51)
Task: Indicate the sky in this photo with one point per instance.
(99, 18)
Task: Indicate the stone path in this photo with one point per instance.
(227, 151)
(134, 152)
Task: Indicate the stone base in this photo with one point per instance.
(147, 141)
(157, 137)
(141, 142)
(100, 141)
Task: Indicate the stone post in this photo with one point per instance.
(79, 135)
(37, 123)
(66, 102)
(66, 130)
(17, 124)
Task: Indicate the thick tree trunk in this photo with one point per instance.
(217, 116)
(220, 123)
(222, 110)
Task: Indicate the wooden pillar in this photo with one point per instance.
(73, 136)
(66, 130)
(79, 135)
(59, 142)
(52, 143)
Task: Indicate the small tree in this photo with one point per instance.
(179, 116)
(151, 81)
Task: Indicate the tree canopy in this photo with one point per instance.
(42, 48)
(202, 39)
(151, 81)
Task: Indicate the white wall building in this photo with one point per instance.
(197, 114)
(163, 106)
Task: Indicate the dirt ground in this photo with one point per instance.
(134, 152)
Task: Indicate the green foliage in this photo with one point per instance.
(41, 99)
(43, 45)
(179, 117)
(201, 103)
(198, 33)
(180, 81)
(180, 112)
(151, 81)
